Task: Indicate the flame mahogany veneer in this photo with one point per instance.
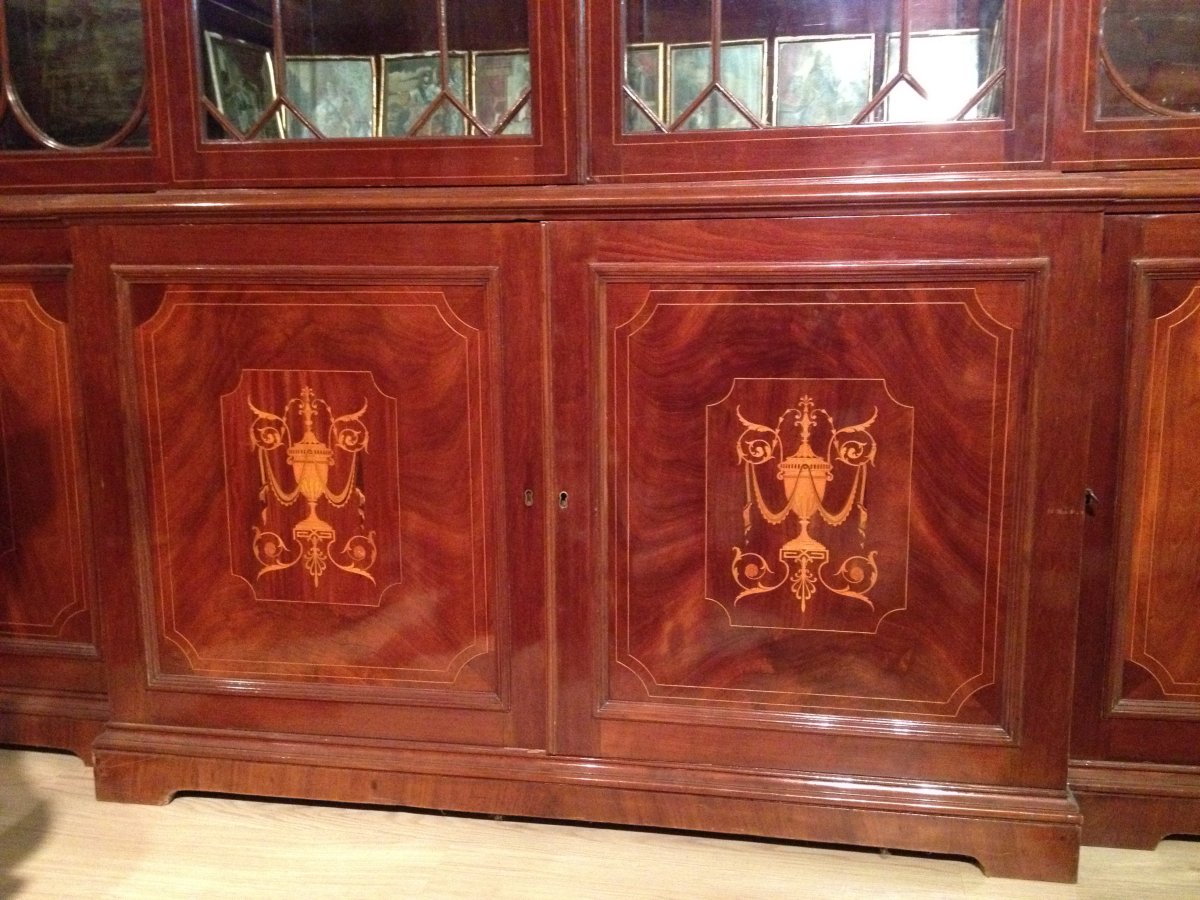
(582, 476)
(609, 655)
(322, 576)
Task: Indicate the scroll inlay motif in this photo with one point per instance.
(311, 460)
(806, 475)
(809, 489)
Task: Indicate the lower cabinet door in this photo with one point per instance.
(1136, 739)
(51, 680)
(331, 432)
(822, 500)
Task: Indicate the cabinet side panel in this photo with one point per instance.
(1161, 642)
(51, 678)
(42, 559)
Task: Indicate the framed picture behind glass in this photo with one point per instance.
(499, 80)
(335, 93)
(822, 80)
(243, 84)
(412, 82)
(743, 75)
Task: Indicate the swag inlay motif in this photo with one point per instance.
(805, 475)
(311, 460)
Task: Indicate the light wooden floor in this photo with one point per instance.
(57, 841)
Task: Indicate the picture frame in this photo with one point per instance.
(946, 64)
(243, 84)
(336, 93)
(411, 82)
(822, 80)
(498, 79)
(645, 75)
(743, 74)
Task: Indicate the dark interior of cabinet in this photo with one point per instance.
(370, 27)
(75, 69)
(690, 20)
(1152, 53)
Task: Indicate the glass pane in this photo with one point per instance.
(644, 74)
(500, 90)
(77, 72)
(338, 69)
(421, 98)
(733, 98)
(1150, 53)
(794, 63)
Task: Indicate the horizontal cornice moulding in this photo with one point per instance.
(1177, 189)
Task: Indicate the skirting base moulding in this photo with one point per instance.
(1011, 833)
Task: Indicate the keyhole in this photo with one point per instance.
(562, 500)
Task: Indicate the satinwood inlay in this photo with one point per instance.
(817, 489)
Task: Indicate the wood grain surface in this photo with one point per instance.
(1135, 764)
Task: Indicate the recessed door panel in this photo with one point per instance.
(808, 513)
(43, 596)
(1165, 480)
(1153, 667)
(318, 487)
(829, 471)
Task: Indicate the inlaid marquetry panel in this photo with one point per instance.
(1161, 651)
(42, 579)
(814, 490)
(320, 521)
(805, 552)
(317, 488)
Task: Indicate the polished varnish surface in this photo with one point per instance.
(49, 661)
(1137, 717)
(325, 515)
(431, 472)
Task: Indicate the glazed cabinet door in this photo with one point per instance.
(81, 96)
(331, 432)
(1135, 756)
(51, 682)
(1128, 96)
(822, 520)
(708, 89)
(425, 92)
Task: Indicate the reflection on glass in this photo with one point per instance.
(945, 65)
(1150, 55)
(795, 63)
(77, 72)
(363, 69)
(822, 80)
(644, 74)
